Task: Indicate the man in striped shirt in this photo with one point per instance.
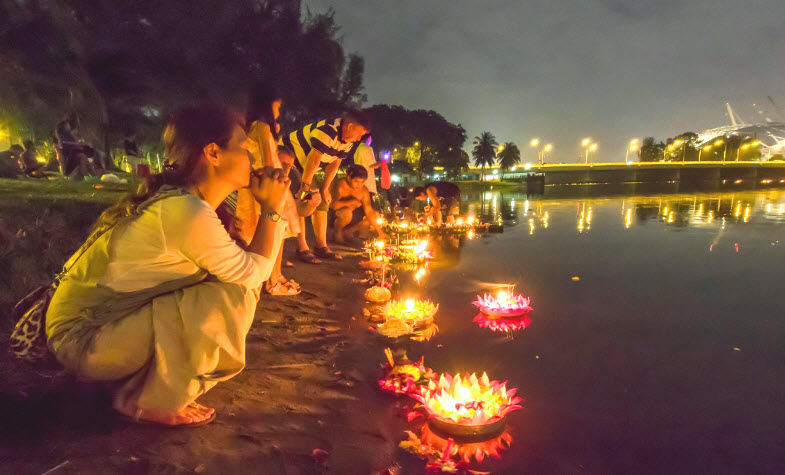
(324, 142)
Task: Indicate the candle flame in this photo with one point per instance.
(467, 399)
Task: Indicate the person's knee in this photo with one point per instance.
(343, 216)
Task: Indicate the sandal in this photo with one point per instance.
(326, 253)
(308, 257)
(288, 282)
(144, 422)
(280, 289)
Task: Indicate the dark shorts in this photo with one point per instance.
(357, 216)
(451, 207)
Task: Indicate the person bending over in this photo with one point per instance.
(160, 298)
(445, 200)
(351, 207)
(325, 142)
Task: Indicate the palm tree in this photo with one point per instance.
(509, 156)
(484, 152)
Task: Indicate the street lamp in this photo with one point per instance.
(545, 149)
(585, 143)
(719, 142)
(533, 144)
(591, 148)
(633, 147)
(703, 149)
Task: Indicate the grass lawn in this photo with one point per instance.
(42, 222)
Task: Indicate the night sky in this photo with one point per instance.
(563, 70)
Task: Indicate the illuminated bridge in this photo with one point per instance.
(694, 173)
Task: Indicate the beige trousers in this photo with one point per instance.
(172, 350)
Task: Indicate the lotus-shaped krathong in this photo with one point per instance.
(507, 324)
(506, 304)
(467, 406)
(415, 313)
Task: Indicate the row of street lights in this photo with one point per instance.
(710, 146)
(535, 142)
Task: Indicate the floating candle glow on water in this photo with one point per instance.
(505, 304)
(419, 274)
(414, 312)
(506, 324)
(454, 404)
(432, 443)
(470, 220)
(378, 244)
(459, 221)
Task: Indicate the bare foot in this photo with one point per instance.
(191, 413)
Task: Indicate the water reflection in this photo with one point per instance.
(637, 295)
(674, 210)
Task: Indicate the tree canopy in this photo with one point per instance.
(423, 138)
(484, 152)
(509, 156)
(125, 66)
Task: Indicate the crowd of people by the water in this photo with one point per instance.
(160, 297)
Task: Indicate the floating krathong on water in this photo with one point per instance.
(411, 252)
(468, 407)
(507, 324)
(506, 304)
(415, 313)
(403, 376)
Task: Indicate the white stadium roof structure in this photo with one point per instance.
(770, 134)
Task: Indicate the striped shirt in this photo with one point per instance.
(324, 136)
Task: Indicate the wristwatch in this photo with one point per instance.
(271, 215)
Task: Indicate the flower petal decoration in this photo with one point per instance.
(467, 400)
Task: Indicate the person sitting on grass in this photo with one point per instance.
(9, 161)
(160, 298)
(28, 162)
(351, 209)
(445, 200)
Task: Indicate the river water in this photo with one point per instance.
(657, 340)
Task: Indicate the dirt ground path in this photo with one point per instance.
(308, 384)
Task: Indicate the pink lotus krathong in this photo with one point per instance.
(506, 325)
(505, 305)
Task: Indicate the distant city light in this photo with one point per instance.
(396, 178)
(527, 166)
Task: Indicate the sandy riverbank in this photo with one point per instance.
(309, 384)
